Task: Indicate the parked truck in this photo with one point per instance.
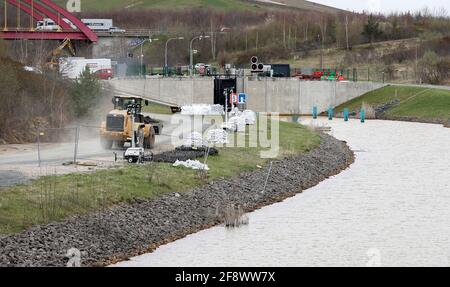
(72, 67)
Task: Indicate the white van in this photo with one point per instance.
(47, 24)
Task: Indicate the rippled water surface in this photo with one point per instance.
(390, 208)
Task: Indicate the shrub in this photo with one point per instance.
(85, 93)
(370, 111)
(433, 69)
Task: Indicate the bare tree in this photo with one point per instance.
(346, 32)
(213, 39)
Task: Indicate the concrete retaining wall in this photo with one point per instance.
(265, 95)
(177, 91)
(294, 96)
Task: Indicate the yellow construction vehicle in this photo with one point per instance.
(126, 123)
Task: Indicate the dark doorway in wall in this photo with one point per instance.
(220, 84)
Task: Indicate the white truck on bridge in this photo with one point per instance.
(99, 25)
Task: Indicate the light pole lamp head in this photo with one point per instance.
(180, 38)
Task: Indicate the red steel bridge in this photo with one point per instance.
(37, 10)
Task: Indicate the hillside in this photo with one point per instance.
(401, 48)
(226, 5)
(370, 61)
(108, 5)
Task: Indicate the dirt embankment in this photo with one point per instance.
(127, 230)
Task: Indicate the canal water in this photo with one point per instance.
(390, 208)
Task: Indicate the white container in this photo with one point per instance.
(98, 24)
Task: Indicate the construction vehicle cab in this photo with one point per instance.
(126, 123)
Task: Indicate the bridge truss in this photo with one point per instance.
(37, 10)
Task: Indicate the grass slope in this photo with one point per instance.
(431, 104)
(54, 198)
(419, 103)
(227, 5)
(105, 5)
(307, 5)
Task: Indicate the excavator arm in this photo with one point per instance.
(57, 52)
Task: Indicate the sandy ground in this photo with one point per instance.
(19, 163)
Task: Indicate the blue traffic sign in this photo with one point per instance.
(242, 98)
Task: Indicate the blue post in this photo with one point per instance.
(362, 115)
(330, 113)
(314, 112)
(346, 114)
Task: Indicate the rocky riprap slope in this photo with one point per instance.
(120, 232)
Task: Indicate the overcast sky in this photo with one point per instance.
(386, 6)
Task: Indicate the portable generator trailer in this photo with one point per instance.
(137, 155)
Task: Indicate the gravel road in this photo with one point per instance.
(19, 163)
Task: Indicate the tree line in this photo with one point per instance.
(287, 30)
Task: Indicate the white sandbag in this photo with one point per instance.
(249, 116)
(192, 164)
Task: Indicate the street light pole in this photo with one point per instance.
(142, 53)
(167, 44)
(191, 54)
(5, 29)
(142, 58)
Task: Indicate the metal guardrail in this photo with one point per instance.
(131, 33)
(126, 33)
(33, 29)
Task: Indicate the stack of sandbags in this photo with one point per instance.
(237, 124)
(194, 139)
(235, 112)
(217, 136)
(217, 110)
(202, 109)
